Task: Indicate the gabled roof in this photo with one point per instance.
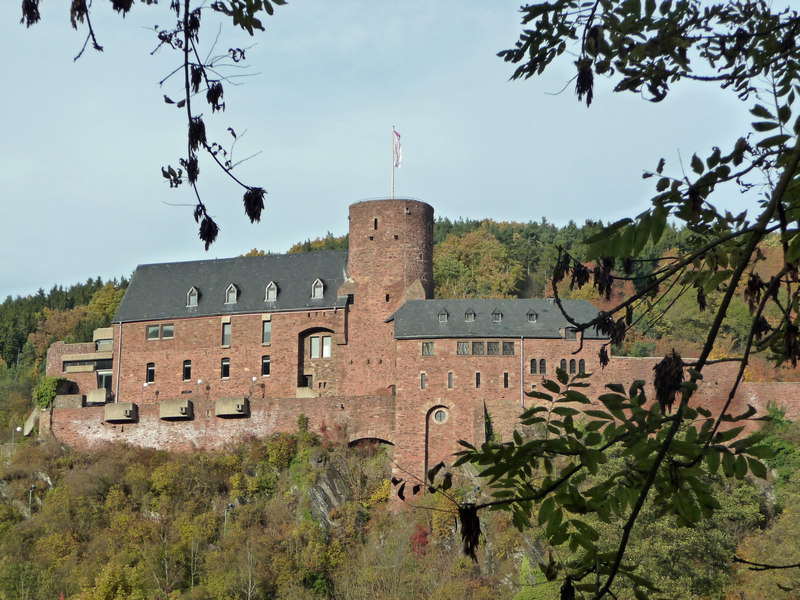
(159, 291)
(420, 318)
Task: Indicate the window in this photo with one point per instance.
(427, 348)
(572, 366)
(265, 365)
(505, 380)
(533, 366)
(508, 348)
(462, 348)
(469, 316)
(266, 332)
(532, 316)
(564, 365)
(272, 292)
(150, 375)
(497, 316)
(493, 348)
(225, 368)
(187, 370)
(450, 380)
(542, 367)
(422, 380)
(320, 347)
(443, 316)
(226, 334)
(317, 289)
(162, 332)
(440, 416)
(477, 348)
(581, 366)
(104, 380)
(192, 296)
(231, 294)
(375, 224)
(570, 333)
(477, 380)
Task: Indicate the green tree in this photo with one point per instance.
(669, 446)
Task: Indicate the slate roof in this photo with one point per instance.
(420, 318)
(158, 291)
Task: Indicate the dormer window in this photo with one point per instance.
(570, 333)
(532, 316)
(443, 316)
(272, 292)
(497, 316)
(231, 294)
(192, 296)
(317, 289)
(469, 316)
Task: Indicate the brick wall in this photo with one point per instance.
(353, 417)
(55, 364)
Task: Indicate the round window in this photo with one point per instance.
(440, 416)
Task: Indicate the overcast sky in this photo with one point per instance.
(83, 143)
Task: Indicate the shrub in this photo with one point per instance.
(45, 391)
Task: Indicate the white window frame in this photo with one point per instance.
(231, 288)
(192, 297)
(317, 289)
(271, 294)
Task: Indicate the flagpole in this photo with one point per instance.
(393, 162)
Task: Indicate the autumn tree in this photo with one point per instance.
(670, 446)
(474, 265)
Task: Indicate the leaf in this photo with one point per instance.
(757, 468)
(740, 468)
(764, 125)
(775, 140)
(761, 112)
(697, 165)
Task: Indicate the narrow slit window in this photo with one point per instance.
(225, 368)
(187, 370)
(533, 366)
(226, 334)
(581, 366)
(423, 380)
(150, 374)
(505, 380)
(265, 365)
(450, 380)
(542, 367)
(266, 332)
(572, 366)
(477, 380)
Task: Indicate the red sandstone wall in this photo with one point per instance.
(384, 261)
(355, 418)
(55, 364)
(200, 340)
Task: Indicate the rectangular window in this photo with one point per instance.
(422, 380)
(427, 348)
(492, 348)
(508, 348)
(225, 368)
(326, 346)
(477, 380)
(477, 348)
(505, 380)
(167, 331)
(265, 365)
(104, 380)
(462, 348)
(187, 370)
(570, 333)
(226, 334)
(315, 347)
(266, 332)
(153, 332)
(450, 380)
(150, 375)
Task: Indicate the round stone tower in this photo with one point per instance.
(391, 249)
(390, 260)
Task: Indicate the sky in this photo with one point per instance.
(83, 142)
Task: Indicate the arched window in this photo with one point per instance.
(272, 292)
(192, 296)
(572, 366)
(231, 294)
(564, 365)
(542, 367)
(533, 366)
(581, 366)
(317, 288)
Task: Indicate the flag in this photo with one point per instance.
(397, 151)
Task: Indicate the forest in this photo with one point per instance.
(249, 522)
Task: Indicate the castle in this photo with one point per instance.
(203, 354)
